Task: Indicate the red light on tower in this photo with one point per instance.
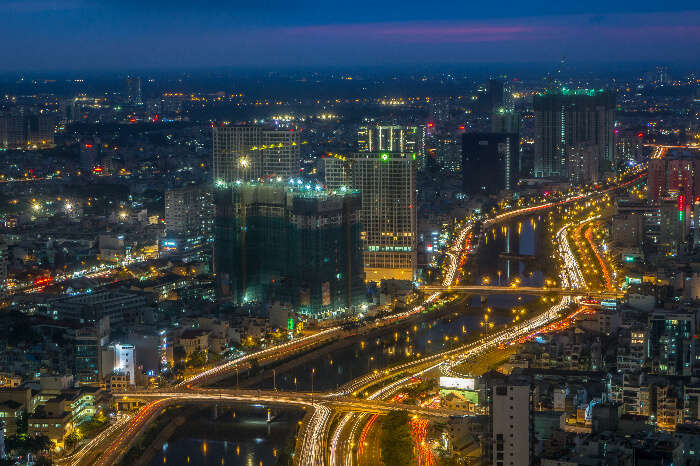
(681, 203)
(461, 127)
(431, 124)
(640, 134)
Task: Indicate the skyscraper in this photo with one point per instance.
(387, 182)
(253, 152)
(286, 241)
(489, 162)
(568, 118)
(133, 90)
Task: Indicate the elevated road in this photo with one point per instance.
(520, 290)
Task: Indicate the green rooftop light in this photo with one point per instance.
(384, 157)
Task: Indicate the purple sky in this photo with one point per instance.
(73, 34)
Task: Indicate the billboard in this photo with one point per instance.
(457, 383)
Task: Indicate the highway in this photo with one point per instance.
(519, 290)
(312, 444)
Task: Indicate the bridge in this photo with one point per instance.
(519, 290)
(280, 399)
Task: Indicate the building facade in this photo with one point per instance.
(512, 425)
(387, 183)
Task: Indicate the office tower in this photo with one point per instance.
(489, 162)
(253, 152)
(568, 118)
(583, 164)
(387, 182)
(289, 242)
(393, 138)
(671, 342)
(133, 90)
(512, 428)
(189, 217)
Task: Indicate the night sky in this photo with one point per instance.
(129, 34)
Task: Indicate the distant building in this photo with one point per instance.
(254, 152)
(584, 160)
(121, 306)
(27, 128)
(671, 342)
(286, 241)
(489, 162)
(189, 217)
(133, 90)
(674, 171)
(568, 118)
(118, 359)
(387, 183)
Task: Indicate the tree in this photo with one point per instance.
(22, 422)
(197, 359)
(396, 442)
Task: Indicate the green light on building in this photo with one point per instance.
(384, 157)
(629, 258)
(290, 324)
(414, 156)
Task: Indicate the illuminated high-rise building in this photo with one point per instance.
(387, 182)
(567, 119)
(244, 152)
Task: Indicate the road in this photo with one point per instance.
(519, 290)
(313, 448)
